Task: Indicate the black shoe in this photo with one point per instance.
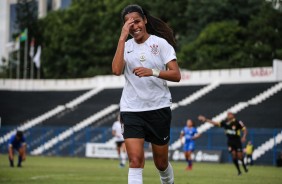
(19, 165)
(11, 165)
(246, 170)
(239, 174)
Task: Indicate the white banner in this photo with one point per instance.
(101, 150)
(199, 156)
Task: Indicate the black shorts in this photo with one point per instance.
(119, 143)
(235, 145)
(153, 126)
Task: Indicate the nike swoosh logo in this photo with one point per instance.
(129, 51)
(165, 138)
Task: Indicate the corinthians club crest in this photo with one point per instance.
(142, 57)
(155, 49)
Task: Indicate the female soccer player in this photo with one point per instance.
(117, 133)
(190, 133)
(148, 61)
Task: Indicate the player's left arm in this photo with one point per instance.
(24, 150)
(196, 136)
(181, 137)
(113, 132)
(171, 74)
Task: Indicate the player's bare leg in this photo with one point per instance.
(21, 157)
(189, 160)
(122, 155)
(11, 156)
(135, 152)
(160, 154)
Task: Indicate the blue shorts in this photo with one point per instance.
(190, 146)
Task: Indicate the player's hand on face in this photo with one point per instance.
(126, 27)
(142, 72)
(202, 118)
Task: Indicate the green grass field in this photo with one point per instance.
(58, 170)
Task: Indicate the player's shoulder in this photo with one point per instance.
(129, 43)
(12, 137)
(115, 123)
(240, 122)
(158, 40)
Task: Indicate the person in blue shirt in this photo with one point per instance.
(17, 142)
(189, 133)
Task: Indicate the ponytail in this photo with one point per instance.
(154, 26)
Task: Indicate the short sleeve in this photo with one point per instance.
(167, 52)
(128, 49)
(195, 131)
(114, 127)
(241, 125)
(11, 140)
(182, 131)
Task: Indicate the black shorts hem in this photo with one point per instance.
(152, 126)
(119, 143)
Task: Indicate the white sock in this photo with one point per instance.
(167, 176)
(123, 158)
(135, 176)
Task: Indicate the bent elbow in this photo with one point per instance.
(116, 72)
(177, 78)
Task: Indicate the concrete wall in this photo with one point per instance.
(246, 75)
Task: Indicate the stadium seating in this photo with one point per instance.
(218, 100)
(87, 108)
(17, 107)
(66, 132)
(257, 116)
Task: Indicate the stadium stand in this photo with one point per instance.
(178, 93)
(69, 132)
(17, 107)
(27, 125)
(256, 116)
(218, 100)
(85, 109)
(65, 127)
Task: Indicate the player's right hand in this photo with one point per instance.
(202, 118)
(126, 27)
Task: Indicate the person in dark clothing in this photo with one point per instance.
(233, 129)
(17, 142)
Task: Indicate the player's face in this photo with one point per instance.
(189, 123)
(138, 29)
(230, 116)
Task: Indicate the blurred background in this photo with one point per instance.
(56, 83)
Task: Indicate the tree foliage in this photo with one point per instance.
(80, 41)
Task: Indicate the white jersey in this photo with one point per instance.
(146, 93)
(118, 130)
